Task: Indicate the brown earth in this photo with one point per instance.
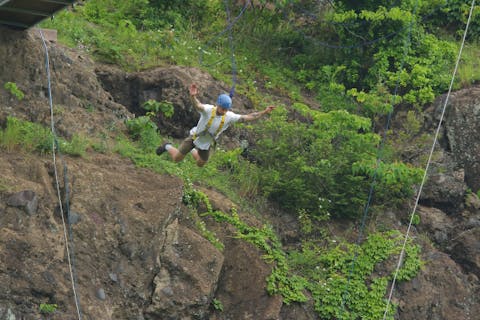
(136, 252)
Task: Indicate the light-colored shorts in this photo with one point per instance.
(187, 145)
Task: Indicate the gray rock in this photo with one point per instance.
(113, 277)
(462, 132)
(445, 191)
(186, 275)
(7, 314)
(466, 250)
(435, 223)
(100, 294)
(473, 222)
(26, 199)
(74, 218)
(167, 291)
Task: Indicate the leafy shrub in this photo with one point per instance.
(48, 308)
(217, 304)
(239, 172)
(329, 156)
(394, 180)
(281, 280)
(76, 147)
(343, 281)
(304, 163)
(452, 16)
(27, 135)
(14, 90)
(145, 131)
(154, 108)
(171, 13)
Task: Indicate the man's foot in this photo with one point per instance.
(162, 149)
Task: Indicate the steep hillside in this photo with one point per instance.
(137, 251)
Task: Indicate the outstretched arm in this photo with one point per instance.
(256, 115)
(193, 97)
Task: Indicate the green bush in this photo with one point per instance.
(154, 108)
(145, 131)
(77, 146)
(48, 308)
(26, 135)
(217, 304)
(452, 16)
(343, 281)
(14, 90)
(29, 136)
(329, 156)
(281, 280)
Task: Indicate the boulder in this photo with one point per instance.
(186, 283)
(436, 224)
(461, 132)
(465, 249)
(26, 200)
(451, 293)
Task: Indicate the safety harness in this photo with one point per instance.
(209, 124)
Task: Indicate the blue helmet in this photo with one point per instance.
(224, 101)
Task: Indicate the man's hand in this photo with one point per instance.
(193, 96)
(193, 90)
(269, 109)
(257, 115)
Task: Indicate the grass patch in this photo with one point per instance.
(469, 67)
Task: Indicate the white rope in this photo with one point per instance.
(47, 66)
(402, 253)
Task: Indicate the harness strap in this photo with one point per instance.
(209, 124)
(222, 122)
(212, 116)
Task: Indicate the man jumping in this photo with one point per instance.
(214, 119)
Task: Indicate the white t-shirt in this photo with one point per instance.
(206, 138)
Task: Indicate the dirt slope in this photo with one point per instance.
(136, 253)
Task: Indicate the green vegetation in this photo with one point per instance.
(155, 108)
(48, 308)
(145, 131)
(14, 90)
(329, 276)
(358, 61)
(217, 304)
(325, 272)
(28, 136)
(336, 153)
(282, 281)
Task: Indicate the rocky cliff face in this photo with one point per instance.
(136, 252)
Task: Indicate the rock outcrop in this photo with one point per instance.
(134, 251)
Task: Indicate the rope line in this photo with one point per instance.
(437, 132)
(378, 161)
(69, 224)
(228, 28)
(232, 50)
(54, 147)
(230, 25)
